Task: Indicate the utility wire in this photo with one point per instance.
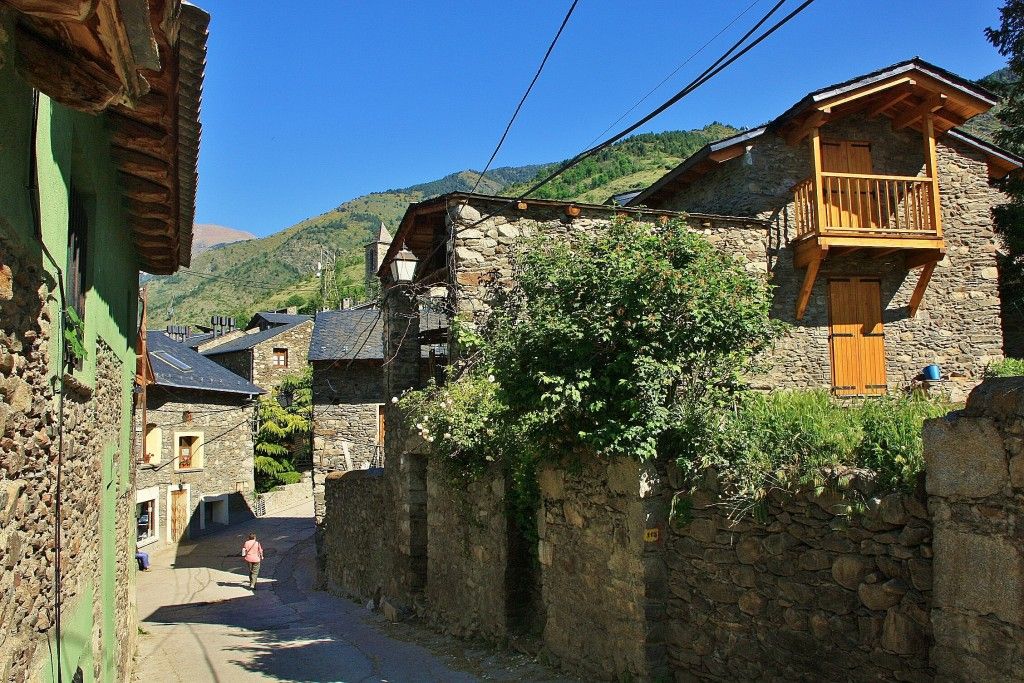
(674, 72)
(526, 94)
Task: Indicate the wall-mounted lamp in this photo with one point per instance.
(522, 206)
(572, 211)
(403, 267)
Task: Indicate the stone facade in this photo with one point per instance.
(347, 398)
(975, 461)
(296, 340)
(221, 490)
(958, 324)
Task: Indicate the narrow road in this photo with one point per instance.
(199, 622)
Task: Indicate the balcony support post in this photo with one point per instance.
(922, 284)
(931, 166)
(810, 276)
(819, 195)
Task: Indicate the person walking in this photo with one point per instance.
(252, 552)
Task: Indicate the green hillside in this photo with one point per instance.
(279, 270)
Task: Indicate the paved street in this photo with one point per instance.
(200, 622)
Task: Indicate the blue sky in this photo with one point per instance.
(308, 104)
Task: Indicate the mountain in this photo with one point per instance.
(206, 236)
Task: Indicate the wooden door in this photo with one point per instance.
(849, 202)
(179, 515)
(856, 337)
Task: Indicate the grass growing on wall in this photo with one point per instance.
(1008, 367)
(784, 439)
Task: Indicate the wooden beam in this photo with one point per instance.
(891, 98)
(815, 120)
(922, 285)
(819, 190)
(131, 134)
(727, 153)
(805, 290)
(54, 10)
(866, 240)
(845, 251)
(142, 165)
(144, 190)
(882, 253)
(866, 91)
(63, 74)
(923, 258)
(932, 167)
(930, 104)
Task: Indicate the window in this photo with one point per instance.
(856, 337)
(380, 425)
(153, 445)
(188, 451)
(280, 358)
(186, 417)
(146, 522)
(78, 236)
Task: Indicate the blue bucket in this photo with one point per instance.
(932, 373)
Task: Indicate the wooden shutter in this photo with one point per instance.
(856, 337)
(849, 201)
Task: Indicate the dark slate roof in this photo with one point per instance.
(272, 318)
(195, 340)
(352, 334)
(247, 341)
(176, 365)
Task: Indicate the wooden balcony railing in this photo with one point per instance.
(867, 204)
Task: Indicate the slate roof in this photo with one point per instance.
(247, 341)
(176, 365)
(272, 318)
(195, 340)
(352, 334)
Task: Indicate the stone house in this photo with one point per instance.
(878, 232)
(195, 470)
(265, 352)
(100, 138)
(346, 353)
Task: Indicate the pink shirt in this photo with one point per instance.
(252, 551)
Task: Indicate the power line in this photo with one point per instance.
(674, 71)
(526, 94)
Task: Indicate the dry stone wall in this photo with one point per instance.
(466, 554)
(975, 461)
(958, 325)
(809, 593)
(358, 555)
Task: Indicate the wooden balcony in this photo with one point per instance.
(868, 207)
(838, 214)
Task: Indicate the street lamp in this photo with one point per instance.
(403, 266)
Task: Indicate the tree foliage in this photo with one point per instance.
(284, 427)
(1008, 39)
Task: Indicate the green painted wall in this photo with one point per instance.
(73, 147)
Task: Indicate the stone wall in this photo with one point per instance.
(346, 401)
(806, 594)
(958, 324)
(358, 551)
(29, 436)
(264, 373)
(238, 362)
(591, 546)
(467, 554)
(225, 423)
(287, 496)
(975, 461)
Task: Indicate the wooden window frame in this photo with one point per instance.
(279, 353)
(196, 457)
(149, 457)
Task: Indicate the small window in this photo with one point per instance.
(78, 236)
(153, 444)
(186, 417)
(280, 358)
(145, 518)
(189, 452)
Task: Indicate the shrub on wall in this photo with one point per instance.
(1008, 367)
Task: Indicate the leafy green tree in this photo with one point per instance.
(282, 439)
(1009, 218)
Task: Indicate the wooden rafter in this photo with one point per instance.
(815, 120)
(891, 98)
(866, 91)
(808, 285)
(922, 285)
(929, 105)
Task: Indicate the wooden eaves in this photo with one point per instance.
(142, 63)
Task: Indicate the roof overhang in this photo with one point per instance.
(904, 93)
(141, 62)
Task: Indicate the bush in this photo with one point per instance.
(1008, 367)
(785, 439)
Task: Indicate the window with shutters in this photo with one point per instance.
(856, 337)
(280, 358)
(188, 451)
(78, 239)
